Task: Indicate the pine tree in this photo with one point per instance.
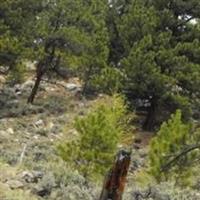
(71, 34)
(9, 44)
(174, 151)
(172, 137)
(15, 34)
(99, 134)
(160, 57)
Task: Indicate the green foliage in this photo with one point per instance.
(109, 80)
(172, 137)
(100, 130)
(15, 31)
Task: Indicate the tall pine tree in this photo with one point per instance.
(160, 57)
(71, 34)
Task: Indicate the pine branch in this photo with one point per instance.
(178, 156)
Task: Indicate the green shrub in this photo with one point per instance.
(100, 131)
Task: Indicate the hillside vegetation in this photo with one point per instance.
(83, 80)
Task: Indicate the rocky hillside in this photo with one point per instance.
(29, 164)
(29, 134)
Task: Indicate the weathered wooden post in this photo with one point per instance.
(115, 180)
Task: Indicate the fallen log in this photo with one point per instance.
(115, 180)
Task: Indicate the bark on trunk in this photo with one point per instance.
(35, 89)
(151, 116)
(115, 180)
(42, 68)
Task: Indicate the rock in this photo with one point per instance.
(15, 184)
(35, 137)
(30, 65)
(18, 93)
(39, 123)
(27, 176)
(17, 87)
(10, 131)
(72, 86)
(32, 177)
(27, 85)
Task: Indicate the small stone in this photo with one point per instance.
(27, 85)
(17, 88)
(32, 177)
(35, 137)
(71, 86)
(15, 184)
(10, 131)
(39, 123)
(27, 176)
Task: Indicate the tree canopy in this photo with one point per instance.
(147, 50)
(160, 57)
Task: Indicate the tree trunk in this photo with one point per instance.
(151, 116)
(35, 89)
(42, 69)
(86, 80)
(115, 180)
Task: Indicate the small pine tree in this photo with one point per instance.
(100, 131)
(172, 137)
